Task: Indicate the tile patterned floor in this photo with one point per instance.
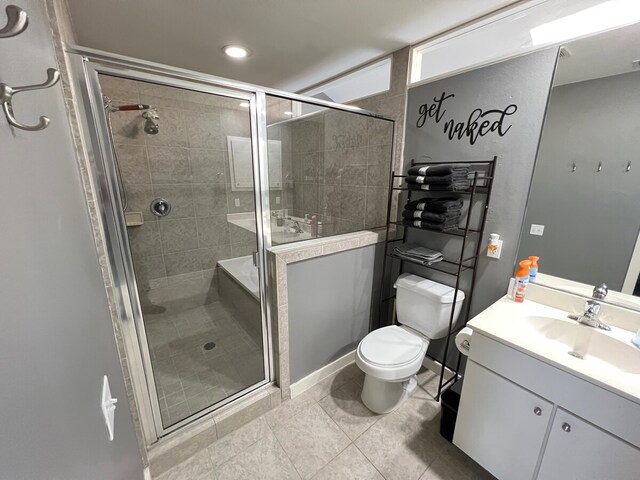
(189, 377)
(328, 434)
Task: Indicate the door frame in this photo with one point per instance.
(93, 124)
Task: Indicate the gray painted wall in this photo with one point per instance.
(525, 81)
(56, 334)
(330, 305)
(591, 219)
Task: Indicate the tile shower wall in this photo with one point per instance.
(187, 164)
(336, 166)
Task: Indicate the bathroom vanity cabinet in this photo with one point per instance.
(521, 418)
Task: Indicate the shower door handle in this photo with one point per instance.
(254, 255)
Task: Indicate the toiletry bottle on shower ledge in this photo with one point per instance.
(533, 270)
(522, 279)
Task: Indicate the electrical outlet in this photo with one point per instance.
(277, 200)
(108, 406)
(536, 229)
(494, 251)
(236, 202)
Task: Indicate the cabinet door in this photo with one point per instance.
(578, 450)
(500, 425)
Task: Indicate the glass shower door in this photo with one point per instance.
(185, 167)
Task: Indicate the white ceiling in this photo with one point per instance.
(295, 43)
(603, 55)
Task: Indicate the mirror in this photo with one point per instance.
(241, 164)
(583, 211)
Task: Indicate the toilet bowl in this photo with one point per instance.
(391, 356)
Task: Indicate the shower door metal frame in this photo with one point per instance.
(86, 64)
(109, 208)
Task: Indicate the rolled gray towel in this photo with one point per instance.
(436, 180)
(441, 169)
(438, 205)
(440, 226)
(450, 187)
(431, 216)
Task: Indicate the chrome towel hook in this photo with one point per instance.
(7, 93)
(599, 169)
(17, 22)
(628, 166)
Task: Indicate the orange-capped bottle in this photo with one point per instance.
(533, 270)
(522, 279)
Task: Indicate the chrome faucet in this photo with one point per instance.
(590, 317)
(295, 224)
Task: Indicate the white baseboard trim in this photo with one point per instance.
(435, 367)
(316, 377)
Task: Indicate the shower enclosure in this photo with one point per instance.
(196, 177)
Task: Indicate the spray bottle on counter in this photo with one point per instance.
(522, 279)
(533, 270)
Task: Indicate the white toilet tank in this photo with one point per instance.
(425, 305)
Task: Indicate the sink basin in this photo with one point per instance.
(543, 331)
(601, 349)
(279, 237)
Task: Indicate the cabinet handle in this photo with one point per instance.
(537, 411)
(566, 427)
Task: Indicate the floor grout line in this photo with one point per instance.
(283, 449)
(368, 460)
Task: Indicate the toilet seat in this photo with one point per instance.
(391, 353)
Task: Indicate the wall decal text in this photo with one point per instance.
(478, 124)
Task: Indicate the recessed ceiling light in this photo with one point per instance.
(288, 113)
(235, 51)
(244, 104)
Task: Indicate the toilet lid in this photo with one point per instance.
(390, 346)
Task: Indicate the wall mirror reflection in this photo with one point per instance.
(583, 211)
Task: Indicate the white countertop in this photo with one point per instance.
(546, 333)
(279, 235)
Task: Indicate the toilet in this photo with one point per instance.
(391, 356)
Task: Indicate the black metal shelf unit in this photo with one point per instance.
(483, 173)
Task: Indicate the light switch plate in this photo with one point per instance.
(108, 406)
(536, 229)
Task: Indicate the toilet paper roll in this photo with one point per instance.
(463, 340)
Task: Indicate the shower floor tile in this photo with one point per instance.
(200, 356)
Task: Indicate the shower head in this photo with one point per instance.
(150, 114)
(151, 117)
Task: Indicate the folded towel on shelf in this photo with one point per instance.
(431, 216)
(436, 179)
(438, 205)
(416, 253)
(458, 186)
(440, 226)
(441, 169)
